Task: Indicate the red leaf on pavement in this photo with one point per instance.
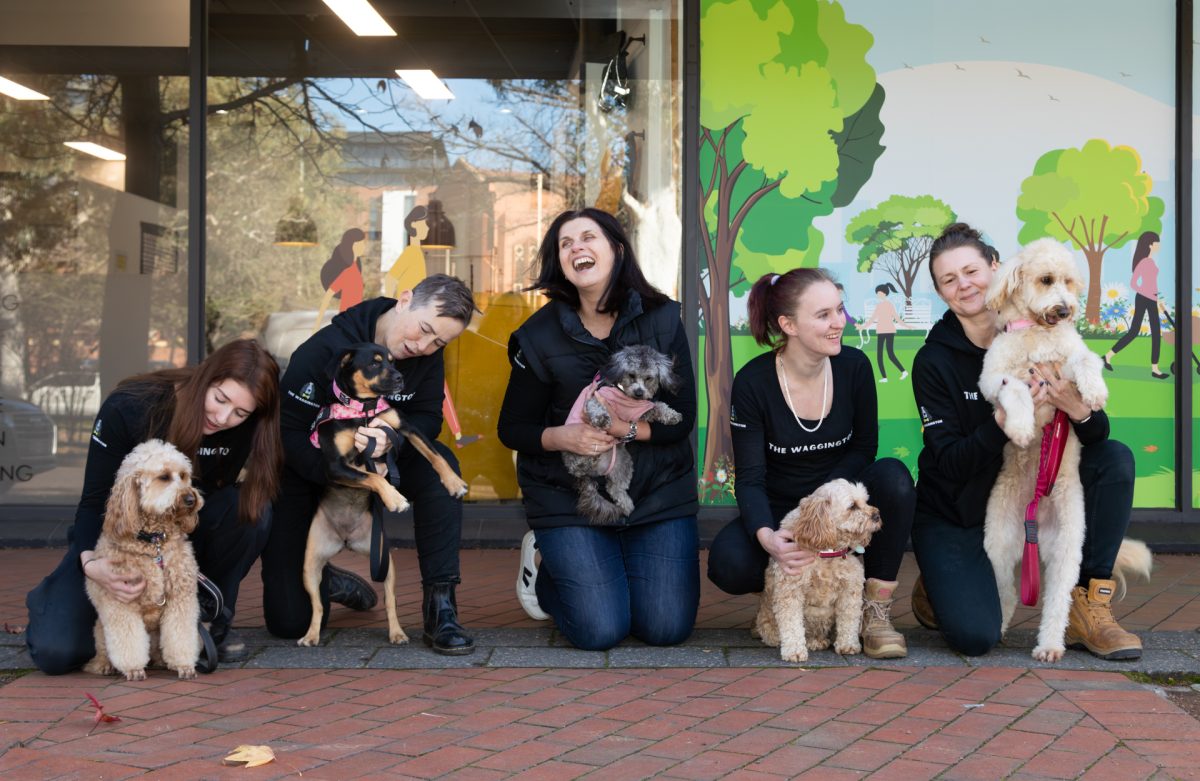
(13, 630)
(101, 716)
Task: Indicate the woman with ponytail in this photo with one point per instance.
(801, 415)
(885, 319)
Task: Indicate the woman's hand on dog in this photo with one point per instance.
(124, 586)
(373, 430)
(1052, 388)
(578, 438)
(780, 546)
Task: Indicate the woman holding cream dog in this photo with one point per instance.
(802, 415)
(961, 460)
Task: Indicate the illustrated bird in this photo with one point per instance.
(984, 40)
(1125, 75)
(381, 85)
(1056, 100)
(475, 128)
(906, 65)
(958, 67)
(1022, 75)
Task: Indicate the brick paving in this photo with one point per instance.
(632, 713)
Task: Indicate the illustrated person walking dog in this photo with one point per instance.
(1144, 283)
(885, 319)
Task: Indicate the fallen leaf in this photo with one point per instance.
(250, 756)
(13, 630)
(1151, 448)
(101, 717)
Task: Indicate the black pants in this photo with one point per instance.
(61, 618)
(737, 563)
(1143, 307)
(958, 574)
(437, 526)
(889, 340)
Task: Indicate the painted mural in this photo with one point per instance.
(847, 134)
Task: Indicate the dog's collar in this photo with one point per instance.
(346, 400)
(154, 538)
(834, 554)
(1018, 325)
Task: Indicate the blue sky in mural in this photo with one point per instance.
(977, 93)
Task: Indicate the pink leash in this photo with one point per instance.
(1054, 440)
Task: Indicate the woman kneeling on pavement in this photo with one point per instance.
(961, 460)
(639, 576)
(803, 414)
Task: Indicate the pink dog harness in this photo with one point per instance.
(616, 402)
(345, 408)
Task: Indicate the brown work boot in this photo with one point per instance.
(1092, 626)
(879, 639)
(922, 608)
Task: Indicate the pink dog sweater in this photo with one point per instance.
(619, 405)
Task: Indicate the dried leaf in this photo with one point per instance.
(13, 630)
(250, 756)
(101, 717)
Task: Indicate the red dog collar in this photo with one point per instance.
(834, 554)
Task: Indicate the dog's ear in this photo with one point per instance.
(336, 364)
(1005, 283)
(668, 380)
(123, 511)
(814, 527)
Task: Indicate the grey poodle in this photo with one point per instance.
(630, 380)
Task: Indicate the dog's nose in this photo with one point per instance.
(189, 499)
(1062, 312)
(875, 517)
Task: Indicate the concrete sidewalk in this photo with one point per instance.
(524, 705)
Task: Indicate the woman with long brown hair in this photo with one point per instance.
(222, 414)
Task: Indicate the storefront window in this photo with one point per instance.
(93, 225)
(332, 180)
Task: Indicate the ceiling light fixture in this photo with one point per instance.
(95, 150)
(426, 84)
(18, 91)
(360, 17)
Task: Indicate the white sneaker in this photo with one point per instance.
(904, 375)
(883, 379)
(527, 577)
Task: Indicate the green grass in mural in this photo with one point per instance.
(1140, 407)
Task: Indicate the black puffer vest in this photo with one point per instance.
(557, 348)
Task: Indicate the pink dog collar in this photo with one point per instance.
(1018, 325)
(834, 554)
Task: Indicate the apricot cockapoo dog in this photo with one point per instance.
(800, 613)
(150, 512)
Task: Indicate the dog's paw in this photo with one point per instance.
(135, 675)
(394, 501)
(1095, 395)
(186, 672)
(99, 666)
(818, 643)
(793, 653)
(309, 640)
(624, 503)
(456, 487)
(397, 638)
(1048, 654)
(848, 649)
(1021, 435)
(667, 415)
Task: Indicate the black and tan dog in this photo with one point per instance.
(363, 376)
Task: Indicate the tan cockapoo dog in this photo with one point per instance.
(150, 512)
(799, 613)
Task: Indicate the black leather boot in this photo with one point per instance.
(442, 631)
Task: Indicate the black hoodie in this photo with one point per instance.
(963, 444)
(307, 386)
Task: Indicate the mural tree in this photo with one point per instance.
(1097, 197)
(896, 236)
(790, 129)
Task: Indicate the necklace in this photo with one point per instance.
(787, 395)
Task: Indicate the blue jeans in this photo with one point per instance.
(958, 575)
(601, 584)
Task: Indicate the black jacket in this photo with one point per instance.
(306, 386)
(553, 357)
(963, 444)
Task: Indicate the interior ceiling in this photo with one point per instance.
(497, 39)
(504, 39)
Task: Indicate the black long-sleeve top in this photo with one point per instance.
(776, 462)
(961, 458)
(122, 424)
